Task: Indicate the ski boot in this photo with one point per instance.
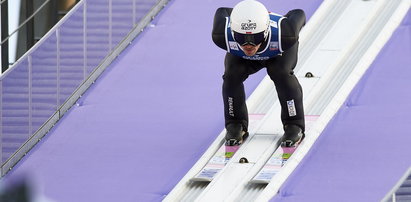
(235, 134)
(293, 136)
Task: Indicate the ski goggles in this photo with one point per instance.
(249, 39)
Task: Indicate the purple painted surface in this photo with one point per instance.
(365, 149)
(148, 118)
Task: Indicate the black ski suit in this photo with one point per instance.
(279, 68)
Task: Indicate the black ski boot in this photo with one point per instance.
(235, 134)
(293, 135)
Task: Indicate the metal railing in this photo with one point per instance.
(30, 30)
(24, 22)
(401, 191)
(39, 87)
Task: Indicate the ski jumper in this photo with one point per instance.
(278, 54)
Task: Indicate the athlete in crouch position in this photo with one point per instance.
(255, 38)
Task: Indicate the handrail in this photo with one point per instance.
(391, 194)
(22, 24)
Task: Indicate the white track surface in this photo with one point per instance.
(337, 45)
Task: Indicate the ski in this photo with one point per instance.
(223, 155)
(216, 163)
(273, 165)
(279, 157)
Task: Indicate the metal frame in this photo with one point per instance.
(29, 21)
(391, 196)
(4, 34)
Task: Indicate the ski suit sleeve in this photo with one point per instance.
(291, 27)
(218, 33)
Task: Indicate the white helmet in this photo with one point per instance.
(250, 22)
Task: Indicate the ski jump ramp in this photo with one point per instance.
(123, 142)
(338, 44)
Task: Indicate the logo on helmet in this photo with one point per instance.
(248, 25)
